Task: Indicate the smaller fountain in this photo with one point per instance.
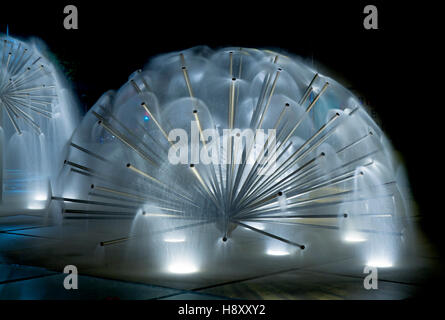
(37, 117)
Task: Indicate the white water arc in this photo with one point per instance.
(332, 160)
(38, 115)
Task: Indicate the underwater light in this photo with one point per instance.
(41, 197)
(182, 268)
(174, 240)
(36, 206)
(277, 252)
(354, 237)
(380, 263)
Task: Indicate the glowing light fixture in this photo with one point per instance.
(380, 263)
(354, 237)
(41, 197)
(174, 240)
(182, 268)
(272, 252)
(36, 206)
(256, 225)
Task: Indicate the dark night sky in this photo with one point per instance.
(388, 66)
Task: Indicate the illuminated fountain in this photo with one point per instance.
(158, 151)
(37, 118)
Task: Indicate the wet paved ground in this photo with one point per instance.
(33, 253)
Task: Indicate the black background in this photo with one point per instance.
(392, 67)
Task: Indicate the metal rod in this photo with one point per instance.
(131, 133)
(133, 196)
(232, 103)
(25, 117)
(204, 185)
(187, 81)
(110, 242)
(89, 152)
(11, 117)
(144, 105)
(355, 142)
(241, 170)
(146, 175)
(198, 122)
(42, 112)
(306, 203)
(75, 211)
(308, 109)
(269, 235)
(330, 182)
(231, 64)
(117, 134)
(213, 180)
(311, 105)
(308, 89)
(97, 203)
(296, 174)
(76, 165)
(299, 216)
(285, 165)
(135, 86)
(270, 97)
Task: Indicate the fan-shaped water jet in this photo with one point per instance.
(144, 149)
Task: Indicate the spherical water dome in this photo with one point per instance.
(37, 118)
(238, 138)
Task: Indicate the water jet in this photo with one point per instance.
(313, 173)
